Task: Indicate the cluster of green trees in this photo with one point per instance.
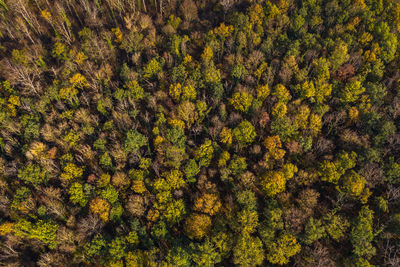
(200, 133)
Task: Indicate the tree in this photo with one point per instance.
(353, 184)
(226, 136)
(205, 254)
(42, 230)
(71, 171)
(335, 225)
(101, 207)
(248, 251)
(274, 146)
(244, 133)
(178, 256)
(273, 183)
(134, 141)
(152, 68)
(351, 92)
(329, 172)
(174, 179)
(207, 203)
(205, 153)
(77, 194)
(283, 249)
(117, 248)
(33, 174)
(281, 93)
(197, 225)
(241, 101)
(362, 234)
(314, 230)
(339, 55)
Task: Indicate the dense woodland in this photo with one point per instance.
(199, 133)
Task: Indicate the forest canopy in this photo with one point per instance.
(200, 133)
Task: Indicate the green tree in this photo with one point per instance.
(33, 174)
(178, 256)
(314, 230)
(241, 101)
(205, 153)
(362, 234)
(248, 251)
(244, 133)
(77, 194)
(283, 249)
(205, 254)
(134, 141)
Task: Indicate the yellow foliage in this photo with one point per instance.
(262, 92)
(158, 140)
(139, 187)
(353, 184)
(282, 93)
(207, 54)
(256, 14)
(225, 156)
(175, 91)
(79, 57)
(223, 30)
(279, 110)
(38, 150)
(226, 136)
(273, 144)
(118, 34)
(46, 14)
(101, 207)
(197, 225)
(208, 203)
(78, 80)
(189, 92)
(68, 93)
(366, 38)
(315, 124)
(6, 228)
(241, 101)
(353, 114)
(369, 56)
(152, 215)
(273, 183)
(176, 123)
(187, 59)
(14, 100)
(301, 119)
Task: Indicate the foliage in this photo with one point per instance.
(244, 133)
(199, 133)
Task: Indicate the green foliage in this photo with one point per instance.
(77, 194)
(335, 226)
(117, 248)
(248, 251)
(351, 92)
(134, 141)
(241, 101)
(152, 68)
(314, 230)
(362, 234)
(199, 133)
(178, 256)
(244, 133)
(205, 153)
(191, 170)
(283, 249)
(41, 230)
(205, 254)
(33, 174)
